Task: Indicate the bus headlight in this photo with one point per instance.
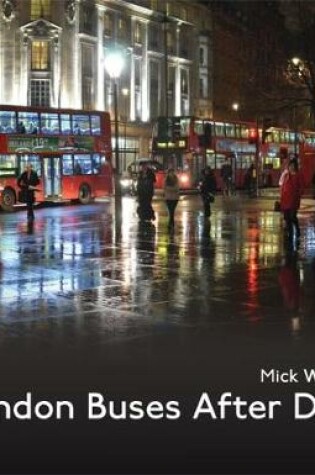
(184, 178)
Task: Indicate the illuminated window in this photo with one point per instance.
(184, 82)
(88, 19)
(202, 88)
(40, 9)
(108, 25)
(122, 28)
(138, 32)
(40, 55)
(40, 92)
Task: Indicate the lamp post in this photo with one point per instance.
(125, 93)
(114, 64)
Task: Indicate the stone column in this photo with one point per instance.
(70, 94)
(8, 63)
(132, 88)
(24, 70)
(100, 72)
(144, 79)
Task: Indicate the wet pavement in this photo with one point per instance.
(76, 278)
(75, 263)
(85, 303)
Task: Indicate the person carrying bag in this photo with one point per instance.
(27, 183)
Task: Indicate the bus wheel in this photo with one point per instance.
(8, 200)
(85, 194)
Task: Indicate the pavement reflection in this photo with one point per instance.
(78, 261)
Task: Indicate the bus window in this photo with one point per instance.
(7, 163)
(292, 137)
(238, 131)
(65, 124)
(7, 122)
(96, 163)
(81, 124)
(27, 123)
(49, 124)
(198, 127)
(220, 159)
(282, 136)
(230, 130)
(219, 129)
(184, 127)
(34, 160)
(67, 165)
(83, 163)
(95, 125)
(211, 160)
(275, 136)
(247, 160)
(244, 131)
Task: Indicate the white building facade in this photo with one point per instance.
(52, 54)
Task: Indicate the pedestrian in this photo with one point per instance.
(208, 188)
(171, 195)
(145, 192)
(291, 183)
(226, 175)
(249, 180)
(27, 182)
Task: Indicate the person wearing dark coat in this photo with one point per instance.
(27, 183)
(249, 180)
(171, 194)
(291, 183)
(145, 192)
(208, 188)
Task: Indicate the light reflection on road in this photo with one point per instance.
(70, 264)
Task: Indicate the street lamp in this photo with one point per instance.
(295, 61)
(235, 108)
(114, 63)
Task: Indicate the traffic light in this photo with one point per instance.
(252, 135)
(266, 124)
(163, 129)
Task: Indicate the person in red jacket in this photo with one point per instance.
(291, 183)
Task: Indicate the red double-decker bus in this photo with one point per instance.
(307, 154)
(189, 144)
(194, 143)
(280, 145)
(69, 149)
(173, 139)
